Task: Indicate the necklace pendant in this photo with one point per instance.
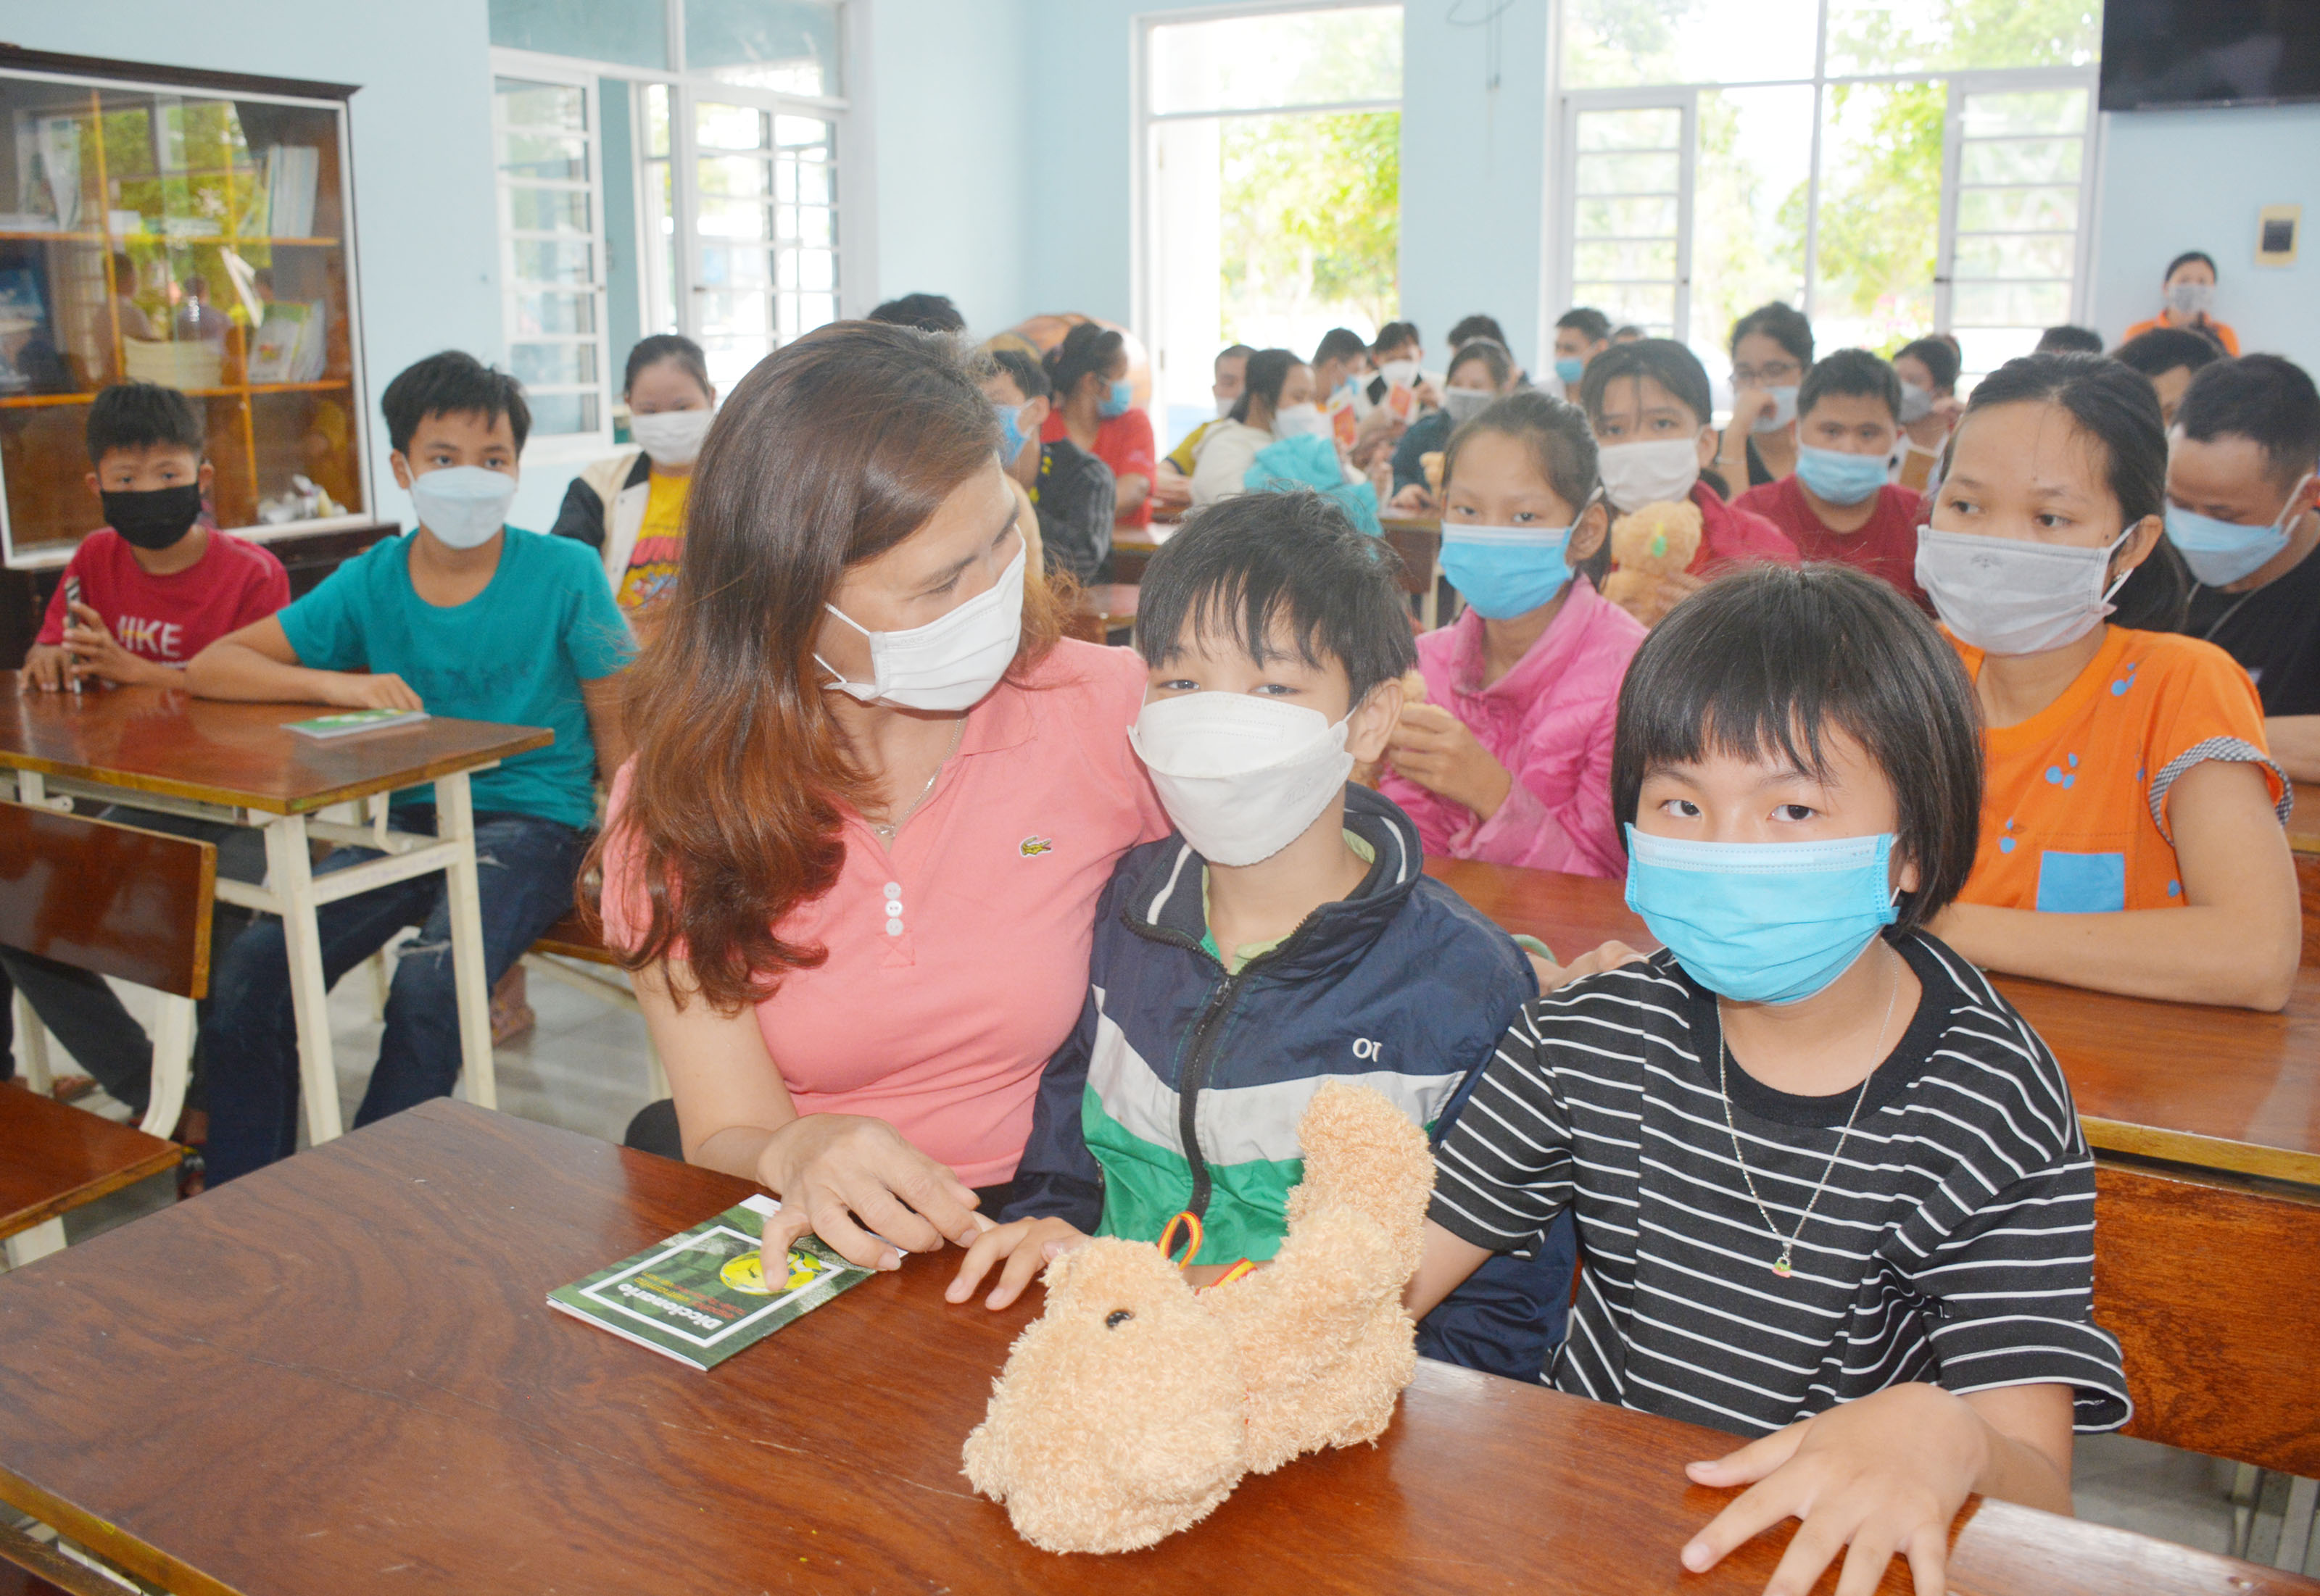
(1780, 1264)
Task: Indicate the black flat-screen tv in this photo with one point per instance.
(2161, 53)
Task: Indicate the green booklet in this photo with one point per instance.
(703, 1294)
(348, 721)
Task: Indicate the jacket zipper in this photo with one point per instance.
(1196, 1076)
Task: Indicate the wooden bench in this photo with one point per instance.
(120, 901)
(572, 941)
(54, 1159)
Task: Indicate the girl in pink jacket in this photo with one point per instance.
(1510, 758)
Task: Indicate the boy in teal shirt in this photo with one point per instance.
(466, 618)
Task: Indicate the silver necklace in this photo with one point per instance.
(886, 833)
(1783, 1265)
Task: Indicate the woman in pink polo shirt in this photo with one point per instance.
(855, 860)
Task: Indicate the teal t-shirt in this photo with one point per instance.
(515, 654)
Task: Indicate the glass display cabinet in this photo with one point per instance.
(188, 228)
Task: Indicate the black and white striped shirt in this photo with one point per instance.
(1954, 1244)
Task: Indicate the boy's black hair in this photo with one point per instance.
(1267, 369)
(2185, 258)
(2163, 349)
(1849, 371)
(1241, 352)
(2069, 338)
(1394, 335)
(929, 312)
(2262, 397)
(1488, 352)
(1773, 658)
(1477, 326)
(1784, 324)
(140, 415)
(452, 383)
(1939, 356)
(1340, 343)
(1663, 360)
(2118, 409)
(1624, 329)
(1238, 566)
(1029, 378)
(1587, 321)
(650, 351)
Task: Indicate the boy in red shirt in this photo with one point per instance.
(1839, 505)
(158, 584)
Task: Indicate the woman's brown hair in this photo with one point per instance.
(829, 453)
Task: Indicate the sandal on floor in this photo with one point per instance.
(71, 1088)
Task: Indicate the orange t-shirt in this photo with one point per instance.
(2075, 798)
(2221, 330)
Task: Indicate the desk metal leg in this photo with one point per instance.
(290, 873)
(33, 1040)
(42, 1240)
(456, 822)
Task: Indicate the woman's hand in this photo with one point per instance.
(1411, 500)
(1595, 960)
(1025, 1248)
(857, 1184)
(1435, 749)
(1749, 406)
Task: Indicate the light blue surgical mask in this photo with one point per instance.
(1116, 402)
(2219, 552)
(1570, 369)
(1762, 922)
(1783, 410)
(1504, 572)
(1839, 477)
(1010, 428)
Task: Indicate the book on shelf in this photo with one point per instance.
(323, 728)
(291, 171)
(292, 344)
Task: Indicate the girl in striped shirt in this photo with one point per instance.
(1830, 1188)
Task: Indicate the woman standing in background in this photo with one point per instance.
(2188, 287)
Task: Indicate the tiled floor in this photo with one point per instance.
(584, 1069)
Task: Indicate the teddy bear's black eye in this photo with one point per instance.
(1116, 1318)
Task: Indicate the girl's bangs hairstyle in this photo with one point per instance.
(1767, 660)
(831, 452)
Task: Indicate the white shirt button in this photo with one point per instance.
(893, 890)
(893, 928)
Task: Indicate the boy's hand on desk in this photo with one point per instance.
(1435, 749)
(94, 651)
(348, 690)
(1024, 1248)
(1884, 1476)
(46, 666)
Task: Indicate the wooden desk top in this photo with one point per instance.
(53, 1158)
(155, 740)
(355, 1344)
(2216, 1087)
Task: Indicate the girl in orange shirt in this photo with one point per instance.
(2131, 833)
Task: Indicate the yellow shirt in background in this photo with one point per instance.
(660, 544)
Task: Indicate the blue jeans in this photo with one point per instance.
(250, 1040)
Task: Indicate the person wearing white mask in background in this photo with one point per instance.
(1276, 401)
(468, 618)
(2132, 835)
(2188, 287)
(1480, 372)
(1772, 350)
(629, 506)
(1929, 371)
(1649, 404)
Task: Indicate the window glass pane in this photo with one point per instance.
(550, 312)
(2019, 160)
(552, 365)
(802, 133)
(659, 250)
(1650, 306)
(1627, 172)
(632, 33)
(553, 413)
(556, 107)
(555, 156)
(1630, 173)
(2017, 210)
(540, 261)
(2037, 110)
(1918, 36)
(1310, 228)
(656, 119)
(1654, 128)
(548, 210)
(1749, 193)
(2016, 255)
(788, 46)
(730, 176)
(1880, 202)
(1298, 58)
(1616, 43)
(728, 127)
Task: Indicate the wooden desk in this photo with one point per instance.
(1418, 542)
(354, 1344)
(1104, 608)
(2304, 823)
(2217, 1088)
(1131, 553)
(234, 764)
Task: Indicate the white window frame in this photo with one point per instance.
(526, 66)
(1958, 82)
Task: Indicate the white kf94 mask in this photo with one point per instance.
(1241, 777)
(951, 662)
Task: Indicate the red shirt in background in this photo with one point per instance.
(1731, 537)
(1885, 544)
(169, 619)
(1125, 444)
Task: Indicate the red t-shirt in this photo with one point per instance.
(1125, 444)
(1885, 545)
(169, 619)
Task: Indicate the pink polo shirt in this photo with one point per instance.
(958, 962)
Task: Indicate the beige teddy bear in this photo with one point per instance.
(1656, 541)
(1133, 1405)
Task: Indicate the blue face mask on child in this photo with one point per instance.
(1011, 438)
(1839, 477)
(1116, 402)
(1762, 922)
(2220, 552)
(1504, 572)
(1570, 369)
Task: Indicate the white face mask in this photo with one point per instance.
(1916, 403)
(672, 437)
(1224, 406)
(2190, 299)
(1241, 777)
(948, 663)
(1300, 421)
(1463, 404)
(1399, 373)
(2007, 597)
(1659, 472)
(463, 505)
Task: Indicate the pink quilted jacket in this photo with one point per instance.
(1549, 722)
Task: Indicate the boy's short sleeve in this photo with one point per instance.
(267, 593)
(325, 627)
(1136, 455)
(598, 641)
(1505, 1170)
(2208, 710)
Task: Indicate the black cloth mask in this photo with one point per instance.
(155, 518)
